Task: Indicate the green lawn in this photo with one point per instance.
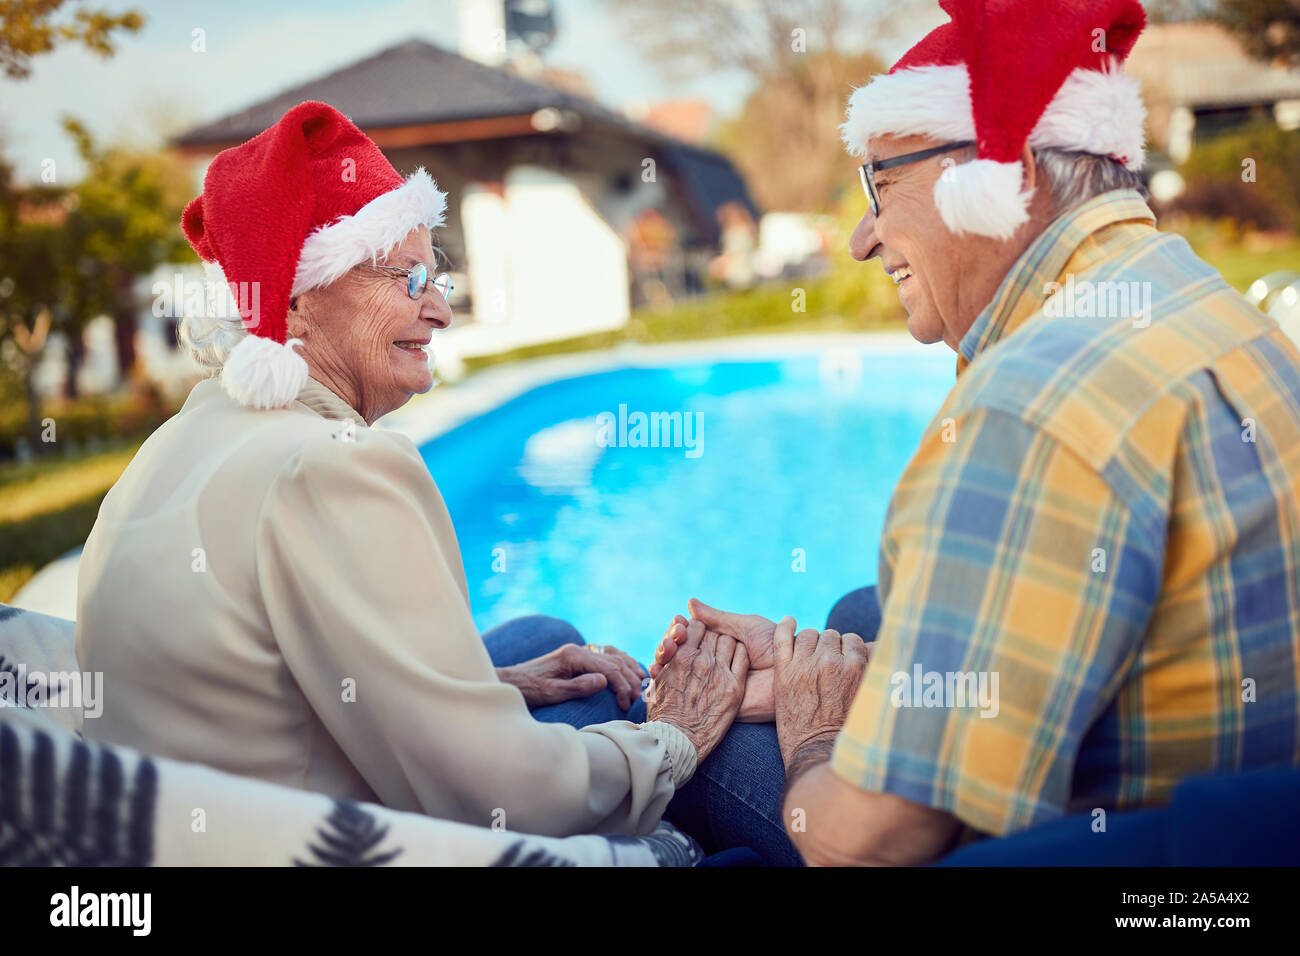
(1241, 266)
(47, 507)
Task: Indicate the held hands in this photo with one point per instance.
(753, 631)
(701, 693)
(758, 635)
(574, 671)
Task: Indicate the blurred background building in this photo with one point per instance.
(1199, 82)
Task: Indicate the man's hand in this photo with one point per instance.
(816, 679)
(574, 671)
(700, 692)
(752, 630)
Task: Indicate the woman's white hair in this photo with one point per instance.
(209, 335)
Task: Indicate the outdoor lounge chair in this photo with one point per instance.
(68, 800)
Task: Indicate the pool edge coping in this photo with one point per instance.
(426, 418)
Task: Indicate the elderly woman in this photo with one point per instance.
(274, 588)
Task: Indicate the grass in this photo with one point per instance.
(48, 506)
(1242, 261)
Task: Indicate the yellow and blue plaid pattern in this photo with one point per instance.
(1104, 517)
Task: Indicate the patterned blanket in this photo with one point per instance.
(66, 800)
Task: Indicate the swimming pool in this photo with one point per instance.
(766, 493)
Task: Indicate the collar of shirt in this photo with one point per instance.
(325, 403)
(1056, 251)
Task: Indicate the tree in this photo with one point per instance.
(761, 37)
(32, 249)
(805, 56)
(786, 138)
(124, 221)
(1173, 11)
(28, 29)
(1269, 29)
(69, 254)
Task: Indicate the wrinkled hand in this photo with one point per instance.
(752, 630)
(700, 692)
(817, 678)
(574, 671)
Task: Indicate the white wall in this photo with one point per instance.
(543, 265)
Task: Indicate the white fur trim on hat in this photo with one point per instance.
(1092, 112)
(922, 101)
(1095, 112)
(262, 373)
(983, 197)
(376, 228)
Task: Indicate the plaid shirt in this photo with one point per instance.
(1101, 525)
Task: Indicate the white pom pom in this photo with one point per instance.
(983, 197)
(262, 373)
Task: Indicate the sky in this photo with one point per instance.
(255, 48)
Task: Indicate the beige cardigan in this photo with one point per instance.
(279, 594)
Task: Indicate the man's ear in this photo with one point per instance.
(1030, 163)
(297, 321)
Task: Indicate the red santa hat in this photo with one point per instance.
(1002, 73)
(293, 209)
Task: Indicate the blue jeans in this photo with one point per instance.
(734, 798)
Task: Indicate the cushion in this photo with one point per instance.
(39, 670)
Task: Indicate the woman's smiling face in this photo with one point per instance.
(364, 337)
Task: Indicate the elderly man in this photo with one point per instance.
(1090, 571)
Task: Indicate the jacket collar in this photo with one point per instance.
(1024, 289)
(325, 403)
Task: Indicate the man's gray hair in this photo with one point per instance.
(1073, 177)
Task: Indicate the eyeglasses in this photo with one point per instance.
(417, 278)
(867, 171)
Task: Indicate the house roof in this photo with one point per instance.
(411, 84)
(419, 84)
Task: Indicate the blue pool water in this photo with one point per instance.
(792, 466)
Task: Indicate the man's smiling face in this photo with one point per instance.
(945, 279)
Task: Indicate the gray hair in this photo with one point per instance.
(1074, 177)
(209, 337)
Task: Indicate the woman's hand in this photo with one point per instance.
(574, 671)
(699, 693)
(752, 630)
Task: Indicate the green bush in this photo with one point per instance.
(131, 413)
(1216, 189)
